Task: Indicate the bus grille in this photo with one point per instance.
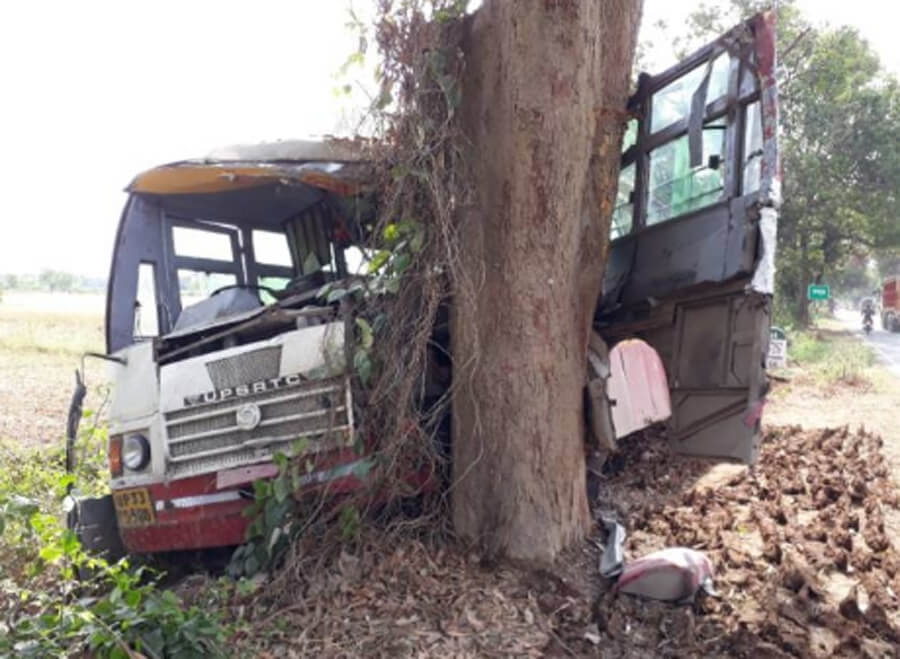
(204, 438)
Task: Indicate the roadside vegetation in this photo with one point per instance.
(53, 281)
(830, 356)
(56, 600)
(46, 610)
(64, 335)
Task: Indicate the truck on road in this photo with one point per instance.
(890, 304)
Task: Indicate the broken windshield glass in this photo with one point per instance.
(623, 213)
(630, 137)
(672, 103)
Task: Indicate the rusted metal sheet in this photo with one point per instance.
(335, 165)
(766, 62)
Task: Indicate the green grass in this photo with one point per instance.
(67, 334)
(63, 324)
(115, 607)
(830, 356)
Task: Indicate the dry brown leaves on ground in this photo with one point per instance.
(803, 566)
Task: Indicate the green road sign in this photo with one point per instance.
(818, 292)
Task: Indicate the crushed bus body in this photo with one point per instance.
(225, 355)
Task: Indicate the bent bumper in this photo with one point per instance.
(189, 514)
(208, 511)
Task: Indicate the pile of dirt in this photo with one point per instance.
(803, 567)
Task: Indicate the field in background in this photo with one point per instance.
(42, 338)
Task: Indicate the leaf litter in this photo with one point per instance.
(803, 567)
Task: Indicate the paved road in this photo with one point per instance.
(885, 344)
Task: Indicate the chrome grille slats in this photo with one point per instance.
(331, 441)
(306, 422)
(207, 437)
(221, 415)
(285, 393)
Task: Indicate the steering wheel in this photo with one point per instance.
(270, 291)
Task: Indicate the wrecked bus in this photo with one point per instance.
(223, 354)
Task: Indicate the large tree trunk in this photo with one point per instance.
(544, 95)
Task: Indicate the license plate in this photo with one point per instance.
(133, 507)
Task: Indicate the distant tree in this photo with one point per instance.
(10, 282)
(856, 278)
(56, 281)
(888, 261)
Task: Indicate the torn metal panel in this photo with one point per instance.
(599, 417)
(694, 275)
(764, 276)
(638, 388)
(612, 561)
(713, 343)
(711, 236)
(698, 110)
(211, 177)
(766, 61)
(225, 304)
(770, 166)
(673, 256)
(717, 376)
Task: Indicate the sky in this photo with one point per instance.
(94, 92)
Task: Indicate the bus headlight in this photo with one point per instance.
(135, 452)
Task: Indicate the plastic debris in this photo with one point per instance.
(672, 575)
(612, 561)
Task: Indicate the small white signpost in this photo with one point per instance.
(777, 357)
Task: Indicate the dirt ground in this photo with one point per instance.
(869, 401)
(803, 567)
(801, 544)
(42, 337)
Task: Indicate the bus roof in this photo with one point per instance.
(335, 165)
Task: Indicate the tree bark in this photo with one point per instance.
(543, 109)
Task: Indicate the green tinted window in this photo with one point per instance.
(275, 283)
(675, 187)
